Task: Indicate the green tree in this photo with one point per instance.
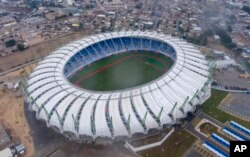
(202, 39)
(209, 32)
(139, 5)
(33, 4)
(225, 38)
(20, 47)
(10, 43)
(229, 28)
(103, 29)
(246, 9)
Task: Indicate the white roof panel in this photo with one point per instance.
(52, 89)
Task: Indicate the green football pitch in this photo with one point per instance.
(122, 71)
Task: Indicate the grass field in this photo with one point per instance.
(210, 107)
(122, 71)
(175, 146)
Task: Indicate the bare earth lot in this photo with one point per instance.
(37, 51)
(12, 116)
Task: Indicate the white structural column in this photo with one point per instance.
(94, 114)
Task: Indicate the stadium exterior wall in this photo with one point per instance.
(85, 115)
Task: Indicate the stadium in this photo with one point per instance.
(58, 93)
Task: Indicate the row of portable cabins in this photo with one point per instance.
(224, 142)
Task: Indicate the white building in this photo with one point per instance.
(88, 115)
(70, 2)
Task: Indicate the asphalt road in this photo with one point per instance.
(48, 143)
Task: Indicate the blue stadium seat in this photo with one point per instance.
(73, 62)
(84, 52)
(78, 56)
(145, 44)
(136, 43)
(92, 54)
(97, 48)
(111, 46)
(165, 48)
(68, 69)
(104, 47)
(127, 43)
(91, 50)
(155, 45)
(118, 44)
(78, 59)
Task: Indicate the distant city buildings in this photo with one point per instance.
(7, 21)
(34, 21)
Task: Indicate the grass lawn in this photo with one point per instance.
(122, 71)
(208, 128)
(175, 146)
(210, 107)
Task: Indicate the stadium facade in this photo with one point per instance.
(82, 114)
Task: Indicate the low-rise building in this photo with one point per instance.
(7, 21)
(225, 63)
(246, 54)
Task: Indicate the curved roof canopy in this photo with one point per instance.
(123, 112)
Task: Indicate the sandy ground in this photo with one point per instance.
(16, 74)
(12, 116)
(37, 51)
(11, 106)
(12, 113)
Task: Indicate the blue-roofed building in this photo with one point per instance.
(246, 53)
(220, 140)
(240, 128)
(214, 149)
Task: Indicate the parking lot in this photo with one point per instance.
(238, 104)
(231, 78)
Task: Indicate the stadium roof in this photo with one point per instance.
(117, 113)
